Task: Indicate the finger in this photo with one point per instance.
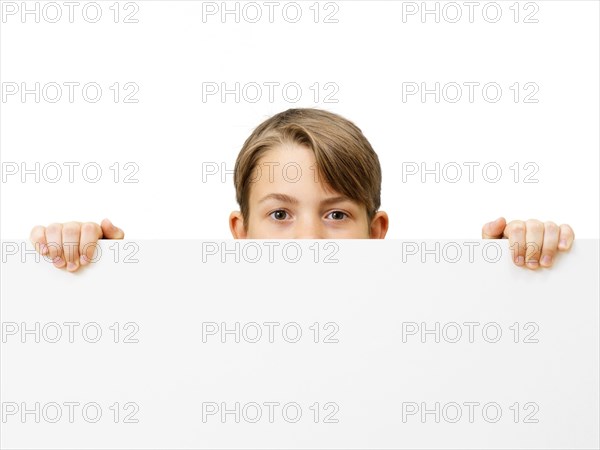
(54, 243)
(550, 246)
(534, 238)
(516, 241)
(566, 237)
(494, 230)
(70, 236)
(109, 231)
(90, 233)
(38, 239)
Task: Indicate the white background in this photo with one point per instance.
(368, 54)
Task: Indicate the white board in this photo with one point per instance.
(365, 372)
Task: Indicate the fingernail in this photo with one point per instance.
(520, 260)
(563, 243)
(71, 266)
(44, 249)
(83, 260)
(532, 263)
(58, 262)
(546, 260)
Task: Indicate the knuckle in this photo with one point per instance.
(37, 232)
(90, 228)
(54, 228)
(71, 228)
(534, 225)
(518, 226)
(551, 227)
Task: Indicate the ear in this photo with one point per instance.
(379, 225)
(236, 225)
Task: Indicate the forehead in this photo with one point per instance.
(288, 153)
(289, 168)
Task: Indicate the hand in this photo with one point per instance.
(63, 242)
(544, 240)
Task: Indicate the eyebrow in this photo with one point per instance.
(294, 201)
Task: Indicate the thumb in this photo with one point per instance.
(494, 230)
(109, 231)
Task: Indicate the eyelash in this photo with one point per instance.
(346, 215)
(277, 210)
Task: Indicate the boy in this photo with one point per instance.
(295, 172)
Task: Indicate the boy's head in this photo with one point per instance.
(307, 173)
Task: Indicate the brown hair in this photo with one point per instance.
(345, 160)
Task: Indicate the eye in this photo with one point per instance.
(279, 215)
(337, 215)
